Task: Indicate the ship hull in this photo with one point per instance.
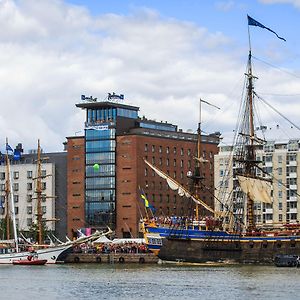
(243, 250)
(50, 254)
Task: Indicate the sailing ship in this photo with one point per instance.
(11, 252)
(239, 239)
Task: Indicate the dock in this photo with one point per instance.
(112, 258)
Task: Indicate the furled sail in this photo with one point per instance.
(174, 185)
(258, 190)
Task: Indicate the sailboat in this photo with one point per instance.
(11, 252)
(240, 240)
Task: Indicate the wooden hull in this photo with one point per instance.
(240, 251)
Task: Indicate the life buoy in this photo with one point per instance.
(98, 259)
(121, 260)
(29, 257)
(142, 260)
(76, 259)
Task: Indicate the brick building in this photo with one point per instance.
(106, 169)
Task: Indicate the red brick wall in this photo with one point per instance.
(130, 170)
(75, 184)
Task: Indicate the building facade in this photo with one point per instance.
(111, 157)
(23, 183)
(282, 161)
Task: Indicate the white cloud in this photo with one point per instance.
(296, 3)
(52, 52)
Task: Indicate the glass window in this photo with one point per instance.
(16, 175)
(29, 174)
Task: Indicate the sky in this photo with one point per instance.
(162, 55)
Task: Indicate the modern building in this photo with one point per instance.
(279, 157)
(23, 182)
(106, 169)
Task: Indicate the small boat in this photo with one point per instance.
(30, 261)
(283, 260)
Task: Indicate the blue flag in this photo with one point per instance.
(9, 148)
(17, 154)
(252, 22)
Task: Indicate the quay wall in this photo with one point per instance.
(116, 258)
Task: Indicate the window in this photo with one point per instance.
(44, 185)
(2, 176)
(146, 147)
(29, 186)
(29, 221)
(44, 209)
(168, 150)
(16, 198)
(181, 151)
(15, 186)
(29, 210)
(174, 163)
(2, 187)
(16, 210)
(160, 149)
(153, 148)
(174, 150)
(44, 197)
(29, 198)
(44, 173)
(167, 162)
(16, 175)
(29, 174)
(181, 163)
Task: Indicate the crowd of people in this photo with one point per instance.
(107, 248)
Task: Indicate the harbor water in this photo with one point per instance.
(121, 281)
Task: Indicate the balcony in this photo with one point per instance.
(292, 210)
(268, 211)
(291, 163)
(293, 187)
(292, 199)
(291, 175)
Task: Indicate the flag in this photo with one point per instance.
(17, 154)
(252, 22)
(145, 200)
(9, 148)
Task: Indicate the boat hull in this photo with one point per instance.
(26, 262)
(51, 255)
(244, 250)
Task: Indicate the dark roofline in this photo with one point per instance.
(104, 104)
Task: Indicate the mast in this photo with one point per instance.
(8, 191)
(250, 171)
(39, 196)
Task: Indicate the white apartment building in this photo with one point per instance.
(23, 185)
(279, 158)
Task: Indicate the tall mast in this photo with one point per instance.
(11, 208)
(7, 193)
(251, 155)
(39, 196)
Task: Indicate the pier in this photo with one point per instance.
(112, 258)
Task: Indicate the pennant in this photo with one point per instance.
(252, 22)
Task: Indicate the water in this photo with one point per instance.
(103, 281)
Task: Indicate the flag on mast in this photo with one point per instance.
(252, 22)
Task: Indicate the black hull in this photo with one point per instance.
(201, 251)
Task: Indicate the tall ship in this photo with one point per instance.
(228, 235)
(17, 249)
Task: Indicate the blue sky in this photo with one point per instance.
(163, 55)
